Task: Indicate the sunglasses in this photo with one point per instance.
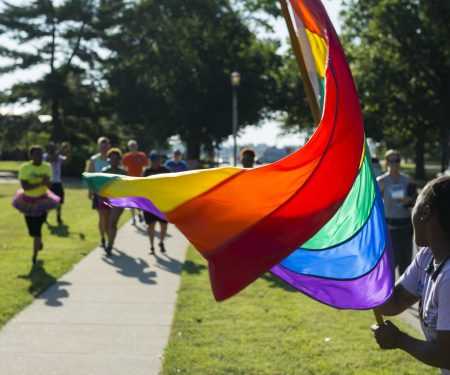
(392, 161)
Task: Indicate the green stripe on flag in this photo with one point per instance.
(353, 213)
(321, 99)
(96, 181)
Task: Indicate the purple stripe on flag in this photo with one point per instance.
(137, 202)
(366, 292)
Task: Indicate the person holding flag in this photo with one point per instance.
(426, 280)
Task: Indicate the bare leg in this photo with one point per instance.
(103, 222)
(114, 217)
(132, 215)
(151, 234)
(162, 235)
(163, 232)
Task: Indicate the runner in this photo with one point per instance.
(114, 158)
(96, 164)
(248, 157)
(134, 162)
(57, 158)
(176, 164)
(34, 200)
(151, 219)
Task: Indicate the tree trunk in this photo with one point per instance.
(193, 147)
(420, 159)
(445, 146)
(57, 131)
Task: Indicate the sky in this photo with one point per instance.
(267, 133)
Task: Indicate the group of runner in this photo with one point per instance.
(42, 189)
(134, 163)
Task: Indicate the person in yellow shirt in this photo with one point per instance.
(34, 200)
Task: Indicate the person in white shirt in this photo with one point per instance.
(426, 280)
(57, 158)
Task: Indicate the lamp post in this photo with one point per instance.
(235, 82)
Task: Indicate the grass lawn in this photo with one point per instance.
(430, 169)
(65, 245)
(271, 329)
(10, 166)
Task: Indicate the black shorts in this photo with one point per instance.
(150, 218)
(58, 189)
(34, 224)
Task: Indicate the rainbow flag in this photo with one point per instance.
(314, 218)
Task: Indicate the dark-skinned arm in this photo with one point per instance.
(400, 300)
(29, 186)
(436, 354)
(64, 151)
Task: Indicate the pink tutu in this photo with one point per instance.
(35, 206)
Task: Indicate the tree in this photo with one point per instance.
(57, 36)
(170, 70)
(399, 53)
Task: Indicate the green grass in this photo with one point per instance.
(271, 329)
(10, 166)
(431, 169)
(64, 246)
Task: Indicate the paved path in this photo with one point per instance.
(106, 316)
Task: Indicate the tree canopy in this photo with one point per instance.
(170, 71)
(399, 52)
(148, 69)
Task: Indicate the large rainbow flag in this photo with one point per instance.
(314, 218)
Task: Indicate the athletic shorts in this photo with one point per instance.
(58, 189)
(34, 224)
(150, 218)
(98, 203)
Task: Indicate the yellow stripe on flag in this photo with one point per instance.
(169, 190)
(319, 51)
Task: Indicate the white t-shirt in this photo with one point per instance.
(434, 307)
(56, 167)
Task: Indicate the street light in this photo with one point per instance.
(235, 82)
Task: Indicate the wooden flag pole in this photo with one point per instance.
(378, 317)
(301, 63)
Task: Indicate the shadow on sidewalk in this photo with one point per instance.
(143, 231)
(53, 295)
(40, 280)
(167, 263)
(131, 267)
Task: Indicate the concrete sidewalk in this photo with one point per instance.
(106, 316)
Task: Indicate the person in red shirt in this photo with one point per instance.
(134, 163)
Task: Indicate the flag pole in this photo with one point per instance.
(378, 317)
(301, 63)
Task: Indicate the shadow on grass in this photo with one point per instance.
(131, 267)
(167, 263)
(41, 280)
(62, 230)
(193, 268)
(275, 282)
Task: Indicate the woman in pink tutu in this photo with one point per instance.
(34, 200)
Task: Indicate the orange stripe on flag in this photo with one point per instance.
(310, 15)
